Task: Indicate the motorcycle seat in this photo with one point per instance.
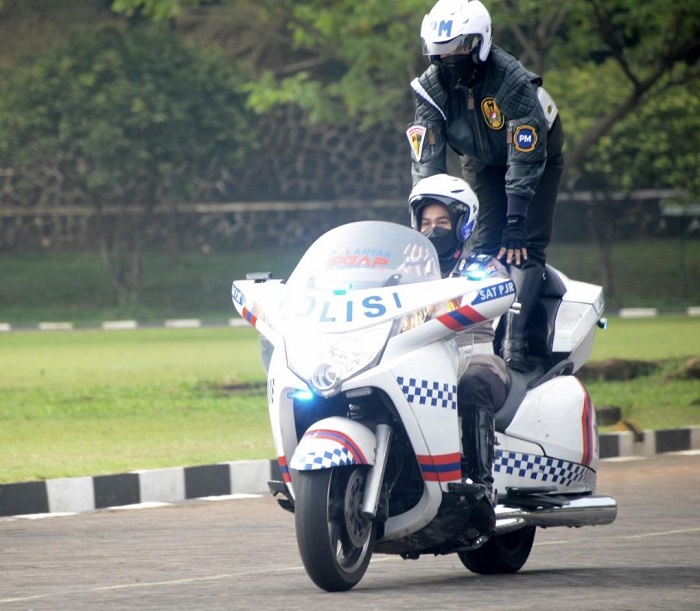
(517, 386)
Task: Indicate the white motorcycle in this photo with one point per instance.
(363, 366)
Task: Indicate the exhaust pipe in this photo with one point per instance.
(583, 511)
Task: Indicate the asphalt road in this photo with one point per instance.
(241, 554)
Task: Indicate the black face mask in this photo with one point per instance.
(460, 68)
(444, 240)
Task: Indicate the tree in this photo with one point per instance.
(341, 59)
(356, 59)
(655, 48)
(125, 120)
(159, 10)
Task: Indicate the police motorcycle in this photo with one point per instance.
(362, 370)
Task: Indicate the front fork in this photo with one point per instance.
(375, 476)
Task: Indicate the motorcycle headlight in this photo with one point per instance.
(326, 360)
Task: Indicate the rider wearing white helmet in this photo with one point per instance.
(482, 103)
(461, 209)
(445, 209)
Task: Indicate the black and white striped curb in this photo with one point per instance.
(195, 323)
(124, 325)
(170, 485)
(177, 484)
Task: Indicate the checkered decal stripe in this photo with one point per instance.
(325, 460)
(431, 394)
(542, 468)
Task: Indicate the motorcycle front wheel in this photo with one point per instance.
(501, 554)
(335, 540)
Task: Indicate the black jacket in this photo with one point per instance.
(500, 122)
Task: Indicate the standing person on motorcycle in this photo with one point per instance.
(486, 106)
(445, 210)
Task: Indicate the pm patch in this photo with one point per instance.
(416, 137)
(525, 139)
(492, 113)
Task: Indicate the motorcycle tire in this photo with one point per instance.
(335, 540)
(501, 554)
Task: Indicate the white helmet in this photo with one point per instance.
(452, 192)
(457, 26)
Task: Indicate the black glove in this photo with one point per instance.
(514, 233)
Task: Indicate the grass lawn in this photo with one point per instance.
(93, 402)
(664, 398)
(89, 402)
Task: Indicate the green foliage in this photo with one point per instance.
(124, 117)
(650, 148)
(654, 148)
(604, 60)
(158, 10)
(130, 114)
(368, 52)
(641, 62)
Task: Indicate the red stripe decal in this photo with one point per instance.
(449, 322)
(282, 460)
(440, 467)
(250, 317)
(461, 318)
(587, 429)
(343, 440)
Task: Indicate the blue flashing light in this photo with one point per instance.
(477, 274)
(301, 394)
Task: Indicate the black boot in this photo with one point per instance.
(477, 460)
(481, 469)
(528, 283)
(481, 472)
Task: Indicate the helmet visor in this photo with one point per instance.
(459, 45)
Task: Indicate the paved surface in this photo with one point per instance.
(241, 554)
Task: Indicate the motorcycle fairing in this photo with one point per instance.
(320, 311)
(558, 415)
(522, 470)
(524, 464)
(248, 297)
(581, 307)
(334, 442)
(442, 462)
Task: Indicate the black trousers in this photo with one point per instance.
(480, 388)
(489, 184)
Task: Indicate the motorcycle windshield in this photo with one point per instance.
(366, 255)
(341, 309)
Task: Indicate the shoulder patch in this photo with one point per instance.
(525, 139)
(492, 113)
(416, 138)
